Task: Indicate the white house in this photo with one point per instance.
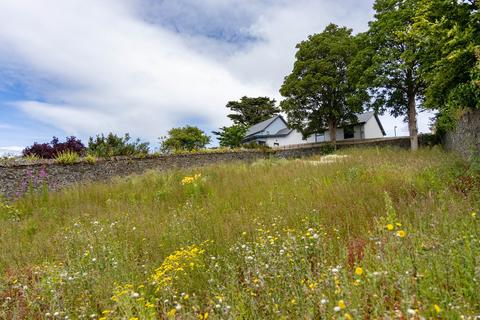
(275, 132)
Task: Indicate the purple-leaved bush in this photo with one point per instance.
(55, 147)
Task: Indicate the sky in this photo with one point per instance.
(83, 67)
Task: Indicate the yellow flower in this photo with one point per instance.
(293, 301)
(341, 304)
(473, 214)
(401, 233)
(389, 227)
(171, 313)
(203, 316)
(347, 316)
(358, 271)
(437, 308)
(133, 318)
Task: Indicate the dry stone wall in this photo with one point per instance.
(465, 138)
(17, 179)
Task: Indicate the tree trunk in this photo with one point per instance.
(412, 122)
(333, 132)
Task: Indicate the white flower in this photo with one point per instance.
(56, 314)
(135, 295)
(334, 270)
(324, 301)
(178, 307)
(336, 309)
(48, 314)
(411, 312)
(316, 236)
(94, 259)
(282, 251)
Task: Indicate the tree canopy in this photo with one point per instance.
(320, 92)
(186, 138)
(249, 111)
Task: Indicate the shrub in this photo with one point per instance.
(54, 148)
(90, 158)
(113, 145)
(67, 157)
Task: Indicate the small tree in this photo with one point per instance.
(319, 92)
(185, 138)
(249, 111)
(231, 137)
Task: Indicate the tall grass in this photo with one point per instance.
(382, 233)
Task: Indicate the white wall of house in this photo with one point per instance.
(295, 137)
(372, 129)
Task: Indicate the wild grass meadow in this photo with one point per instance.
(378, 234)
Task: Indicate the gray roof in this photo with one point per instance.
(364, 117)
(259, 127)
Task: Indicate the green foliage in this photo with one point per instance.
(231, 137)
(448, 33)
(250, 111)
(67, 157)
(113, 145)
(320, 92)
(186, 138)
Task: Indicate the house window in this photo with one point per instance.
(320, 137)
(348, 132)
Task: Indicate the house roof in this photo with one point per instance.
(364, 117)
(261, 126)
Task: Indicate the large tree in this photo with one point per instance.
(185, 138)
(320, 92)
(449, 32)
(391, 59)
(249, 111)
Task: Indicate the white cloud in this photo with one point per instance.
(101, 66)
(10, 151)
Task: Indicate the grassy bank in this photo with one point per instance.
(379, 233)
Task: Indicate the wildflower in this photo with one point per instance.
(358, 271)
(336, 309)
(133, 318)
(390, 227)
(401, 233)
(411, 312)
(171, 313)
(324, 301)
(293, 301)
(203, 316)
(347, 316)
(178, 307)
(473, 214)
(437, 308)
(341, 304)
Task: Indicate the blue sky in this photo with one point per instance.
(82, 67)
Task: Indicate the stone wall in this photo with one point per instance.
(465, 139)
(17, 178)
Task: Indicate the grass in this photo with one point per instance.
(382, 233)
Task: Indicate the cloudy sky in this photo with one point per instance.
(81, 67)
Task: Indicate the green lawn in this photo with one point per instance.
(381, 233)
